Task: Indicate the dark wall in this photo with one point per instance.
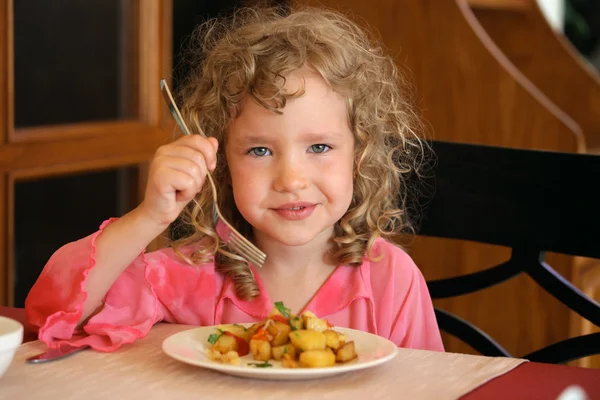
(66, 61)
(67, 70)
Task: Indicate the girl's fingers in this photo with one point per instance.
(184, 152)
(215, 143)
(177, 174)
(170, 181)
(196, 170)
(198, 145)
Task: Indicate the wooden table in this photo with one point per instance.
(143, 371)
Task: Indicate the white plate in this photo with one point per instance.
(189, 346)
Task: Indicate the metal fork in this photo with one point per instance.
(233, 238)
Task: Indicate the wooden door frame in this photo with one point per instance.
(70, 148)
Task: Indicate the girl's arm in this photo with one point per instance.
(116, 247)
(176, 175)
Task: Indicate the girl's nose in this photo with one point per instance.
(290, 178)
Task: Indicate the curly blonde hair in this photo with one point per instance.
(250, 54)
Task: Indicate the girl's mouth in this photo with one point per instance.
(295, 212)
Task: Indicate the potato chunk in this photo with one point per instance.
(317, 358)
(306, 340)
(225, 344)
(316, 324)
(253, 329)
(346, 353)
(280, 332)
(279, 351)
(334, 340)
(237, 330)
(288, 361)
(261, 349)
(297, 323)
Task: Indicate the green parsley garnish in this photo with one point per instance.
(261, 365)
(212, 339)
(282, 309)
(286, 312)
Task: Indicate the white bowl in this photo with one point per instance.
(11, 336)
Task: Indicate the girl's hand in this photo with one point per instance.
(176, 174)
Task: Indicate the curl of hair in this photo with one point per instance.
(250, 54)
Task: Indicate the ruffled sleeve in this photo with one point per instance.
(55, 303)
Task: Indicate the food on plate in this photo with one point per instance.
(304, 341)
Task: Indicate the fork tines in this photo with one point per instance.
(247, 249)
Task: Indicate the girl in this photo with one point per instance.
(311, 140)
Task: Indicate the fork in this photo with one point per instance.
(232, 237)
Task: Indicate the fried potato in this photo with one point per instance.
(237, 330)
(289, 362)
(308, 314)
(306, 340)
(334, 340)
(346, 353)
(295, 340)
(316, 324)
(317, 358)
(260, 349)
(253, 329)
(311, 322)
(280, 333)
(231, 357)
(305, 316)
(225, 344)
(296, 322)
(279, 351)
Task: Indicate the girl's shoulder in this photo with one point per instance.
(388, 253)
(390, 263)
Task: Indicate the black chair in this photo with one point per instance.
(530, 201)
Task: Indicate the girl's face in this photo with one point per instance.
(292, 173)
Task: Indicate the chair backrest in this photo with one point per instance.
(530, 201)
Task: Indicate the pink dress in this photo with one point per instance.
(388, 298)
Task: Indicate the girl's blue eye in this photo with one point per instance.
(319, 148)
(259, 151)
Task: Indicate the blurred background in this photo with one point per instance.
(81, 115)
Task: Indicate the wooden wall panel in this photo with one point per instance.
(470, 92)
(5, 275)
(548, 59)
(503, 4)
(550, 62)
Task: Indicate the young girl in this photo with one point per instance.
(310, 139)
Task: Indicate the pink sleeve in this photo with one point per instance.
(405, 310)
(55, 303)
(415, 325)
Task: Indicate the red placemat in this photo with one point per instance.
(538, 381)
